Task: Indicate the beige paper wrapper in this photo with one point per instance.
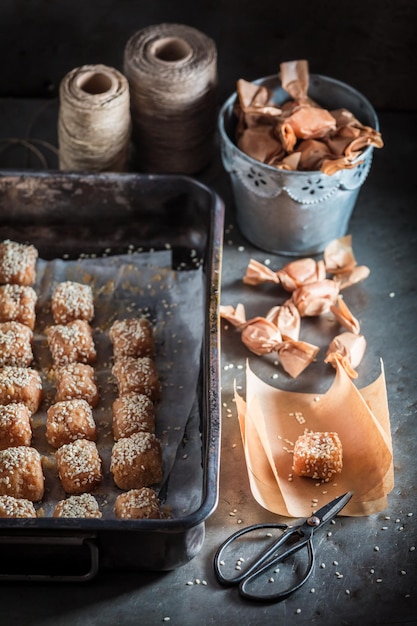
(272, 419)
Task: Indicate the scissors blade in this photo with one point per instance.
(331, 509)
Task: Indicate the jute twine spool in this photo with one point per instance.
(172, 74)
(94, 120)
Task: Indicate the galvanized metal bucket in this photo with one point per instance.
(295, 213)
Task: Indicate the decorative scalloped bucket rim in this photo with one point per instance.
(295, 213)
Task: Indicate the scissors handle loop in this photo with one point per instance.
(244, 585)
(229, 581)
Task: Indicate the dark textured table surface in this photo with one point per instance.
(378, 586)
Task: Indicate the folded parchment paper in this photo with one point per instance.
(270, 421)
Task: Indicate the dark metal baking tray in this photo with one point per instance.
(68, 216)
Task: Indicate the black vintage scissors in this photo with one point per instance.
(253, 580)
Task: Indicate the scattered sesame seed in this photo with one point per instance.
(403, 572)
(298, 611)
(322, 565)
(412, 548)
(347, 592)
(312, 590)
(271, 580)
(376, 548)
(166, 619)
(190, 583)
(379, 580)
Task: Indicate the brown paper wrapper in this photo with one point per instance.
(272, 419)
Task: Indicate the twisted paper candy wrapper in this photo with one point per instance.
(312, 294)
(300, 134)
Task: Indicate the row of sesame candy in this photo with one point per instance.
(133, 352)
(21, 385)
(78, 459)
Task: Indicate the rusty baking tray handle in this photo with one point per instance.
(48, 558)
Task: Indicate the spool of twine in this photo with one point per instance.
(172, 74)
(94, 120)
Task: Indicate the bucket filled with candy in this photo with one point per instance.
(297, 147)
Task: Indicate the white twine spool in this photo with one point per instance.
(172, 74)
(94, 120)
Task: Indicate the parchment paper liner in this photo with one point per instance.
(124, 286)
(270, 422)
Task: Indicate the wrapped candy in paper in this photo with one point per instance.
(263, 335)
(254, 107)
(291, 276)
(315, 298)
(260, 142)
(346, 349)
(308, 121)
